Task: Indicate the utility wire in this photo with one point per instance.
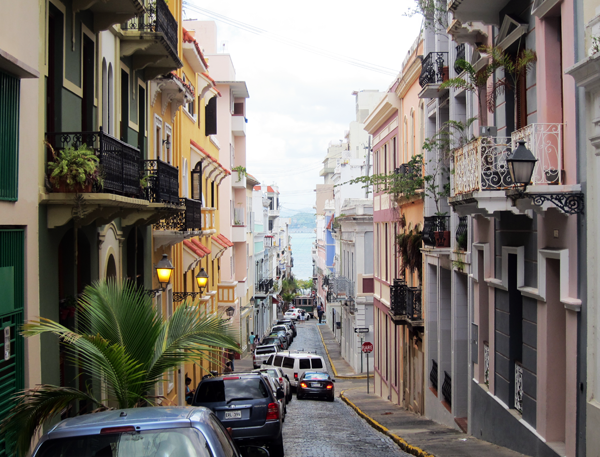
(303, 46)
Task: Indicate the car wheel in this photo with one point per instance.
(276, 448)
(332, 398)
(299, 397)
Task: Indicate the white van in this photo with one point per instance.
(294, 364)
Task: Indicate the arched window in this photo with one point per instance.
(197, 182)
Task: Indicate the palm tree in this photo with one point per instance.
(123, 344)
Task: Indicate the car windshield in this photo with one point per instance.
(272, 340)
(231, 388)
(316, 376)
(184, 442)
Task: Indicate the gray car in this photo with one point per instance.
(143, 432)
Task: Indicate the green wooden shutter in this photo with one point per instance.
(9, 137)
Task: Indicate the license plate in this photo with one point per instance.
(233, 414)
(315, 384)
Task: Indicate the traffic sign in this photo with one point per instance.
(361, 330)
(367, 347)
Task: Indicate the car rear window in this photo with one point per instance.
(317, 363)
(316, 376)
(265, 350)
(305, 364)
(229, 389)
(288, 362)
(184, 442)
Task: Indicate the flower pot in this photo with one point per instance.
(442, 239)
(552, 176)
(63, 187)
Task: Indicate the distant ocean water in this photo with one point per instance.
(302, 254)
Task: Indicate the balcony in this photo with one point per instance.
(109, 12)
(180, 226)
(434, 71)
(238, 179)
(436, 231)
(273, 212)
(119, 196)
(462, 233)
(481, 174)
(238, 233)
(163, 182)
(238, 125)
(447, 388)
(151, 39)
(209, 220)
(476, 10)
(460, 55)
(398, 311)
(433, 374)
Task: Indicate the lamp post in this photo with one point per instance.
(230, 312)
(521, 164)
(164, 270)
(201, 280)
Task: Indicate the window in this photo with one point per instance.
(210, 113)
(288, 362)
(317, 363)
(305, 364)
(189, 104)
(9, 137)
(197, 182)
(278, 360)
(184, 177)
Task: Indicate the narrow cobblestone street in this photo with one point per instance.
(319, 428)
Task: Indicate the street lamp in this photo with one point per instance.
(164, 270)
(521, 164)
(230, 312)
(201, 280)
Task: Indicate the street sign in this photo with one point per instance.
(367, 347)
(361, 330)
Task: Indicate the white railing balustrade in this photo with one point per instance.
(545, 142)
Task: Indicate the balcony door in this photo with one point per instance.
(87, 102)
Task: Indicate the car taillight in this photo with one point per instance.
(229, 378)
(272, 412)
(281, 381)
(295, 376)
(124, 429)
(330, 386)
(303, 385)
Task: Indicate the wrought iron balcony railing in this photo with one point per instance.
(545, 142)
(398, 298)
(163, 182)
(434, 68)
(414, 308)
(157, 18)
(190, 219)
(460, 55)
(461, 233)
(119, 162)
(447, 388)
(429, 225)
(433, 374)
(265, 285)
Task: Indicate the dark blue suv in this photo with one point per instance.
(246, 403)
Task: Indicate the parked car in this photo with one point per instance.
(180, 431)
(286, 329)
(282, 335)
(275, 372)
(262, 353)
(273, 340)
(292, 314)
(290, 323)
(247, 403)
(294, 364)
(275, 384)
(315, 384)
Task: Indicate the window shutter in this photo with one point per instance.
(210, 110)
(9, 137)
(521, 101)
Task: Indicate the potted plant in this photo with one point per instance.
(74, 169)
(241, 171)
(441, 234)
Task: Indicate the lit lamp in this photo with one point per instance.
(164, 270)
(521, 164)
(202, 279)
(230, 312)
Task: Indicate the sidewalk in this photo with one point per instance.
(414, 434)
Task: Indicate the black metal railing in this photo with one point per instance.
(414, 304)
(461, 233)
(447, 388)
(398, 297)
(265, 285)
(460, 55)
(434, 68)
(404, 169)
(157, 18)
(428, 231)
(163, 182)
(119, 162)
(190, 219)
(433, 374)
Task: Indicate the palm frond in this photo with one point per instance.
(36, 406)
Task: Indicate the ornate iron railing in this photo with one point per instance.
(119, 162)
(414, 304)
(481, 165)
(428, 231)
(190, 219)
(461, 233)
(398, 297)
(265, 285)
(434, 68)
(545, 142)
(157, 18)
(163, 182)
(486, 363)
(460, 55)
(433, 374)
(519, 387)
(447, 388)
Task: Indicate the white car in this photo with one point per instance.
(292, 314)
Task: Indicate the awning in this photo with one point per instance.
(219, 246)
(191, 255)
(275, 299)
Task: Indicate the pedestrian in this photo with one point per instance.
(231, 357)
(228, 368)
(320, 313)
(189, 393)
(251, 339)
(257, 341)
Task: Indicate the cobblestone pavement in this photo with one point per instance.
(317, 428)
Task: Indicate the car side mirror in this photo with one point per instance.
(333, 380)
(280, 393)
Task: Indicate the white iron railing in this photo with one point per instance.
(545, 142)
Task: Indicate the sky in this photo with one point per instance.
(300, 84)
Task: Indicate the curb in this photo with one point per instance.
(333, 366)
(414, 450)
